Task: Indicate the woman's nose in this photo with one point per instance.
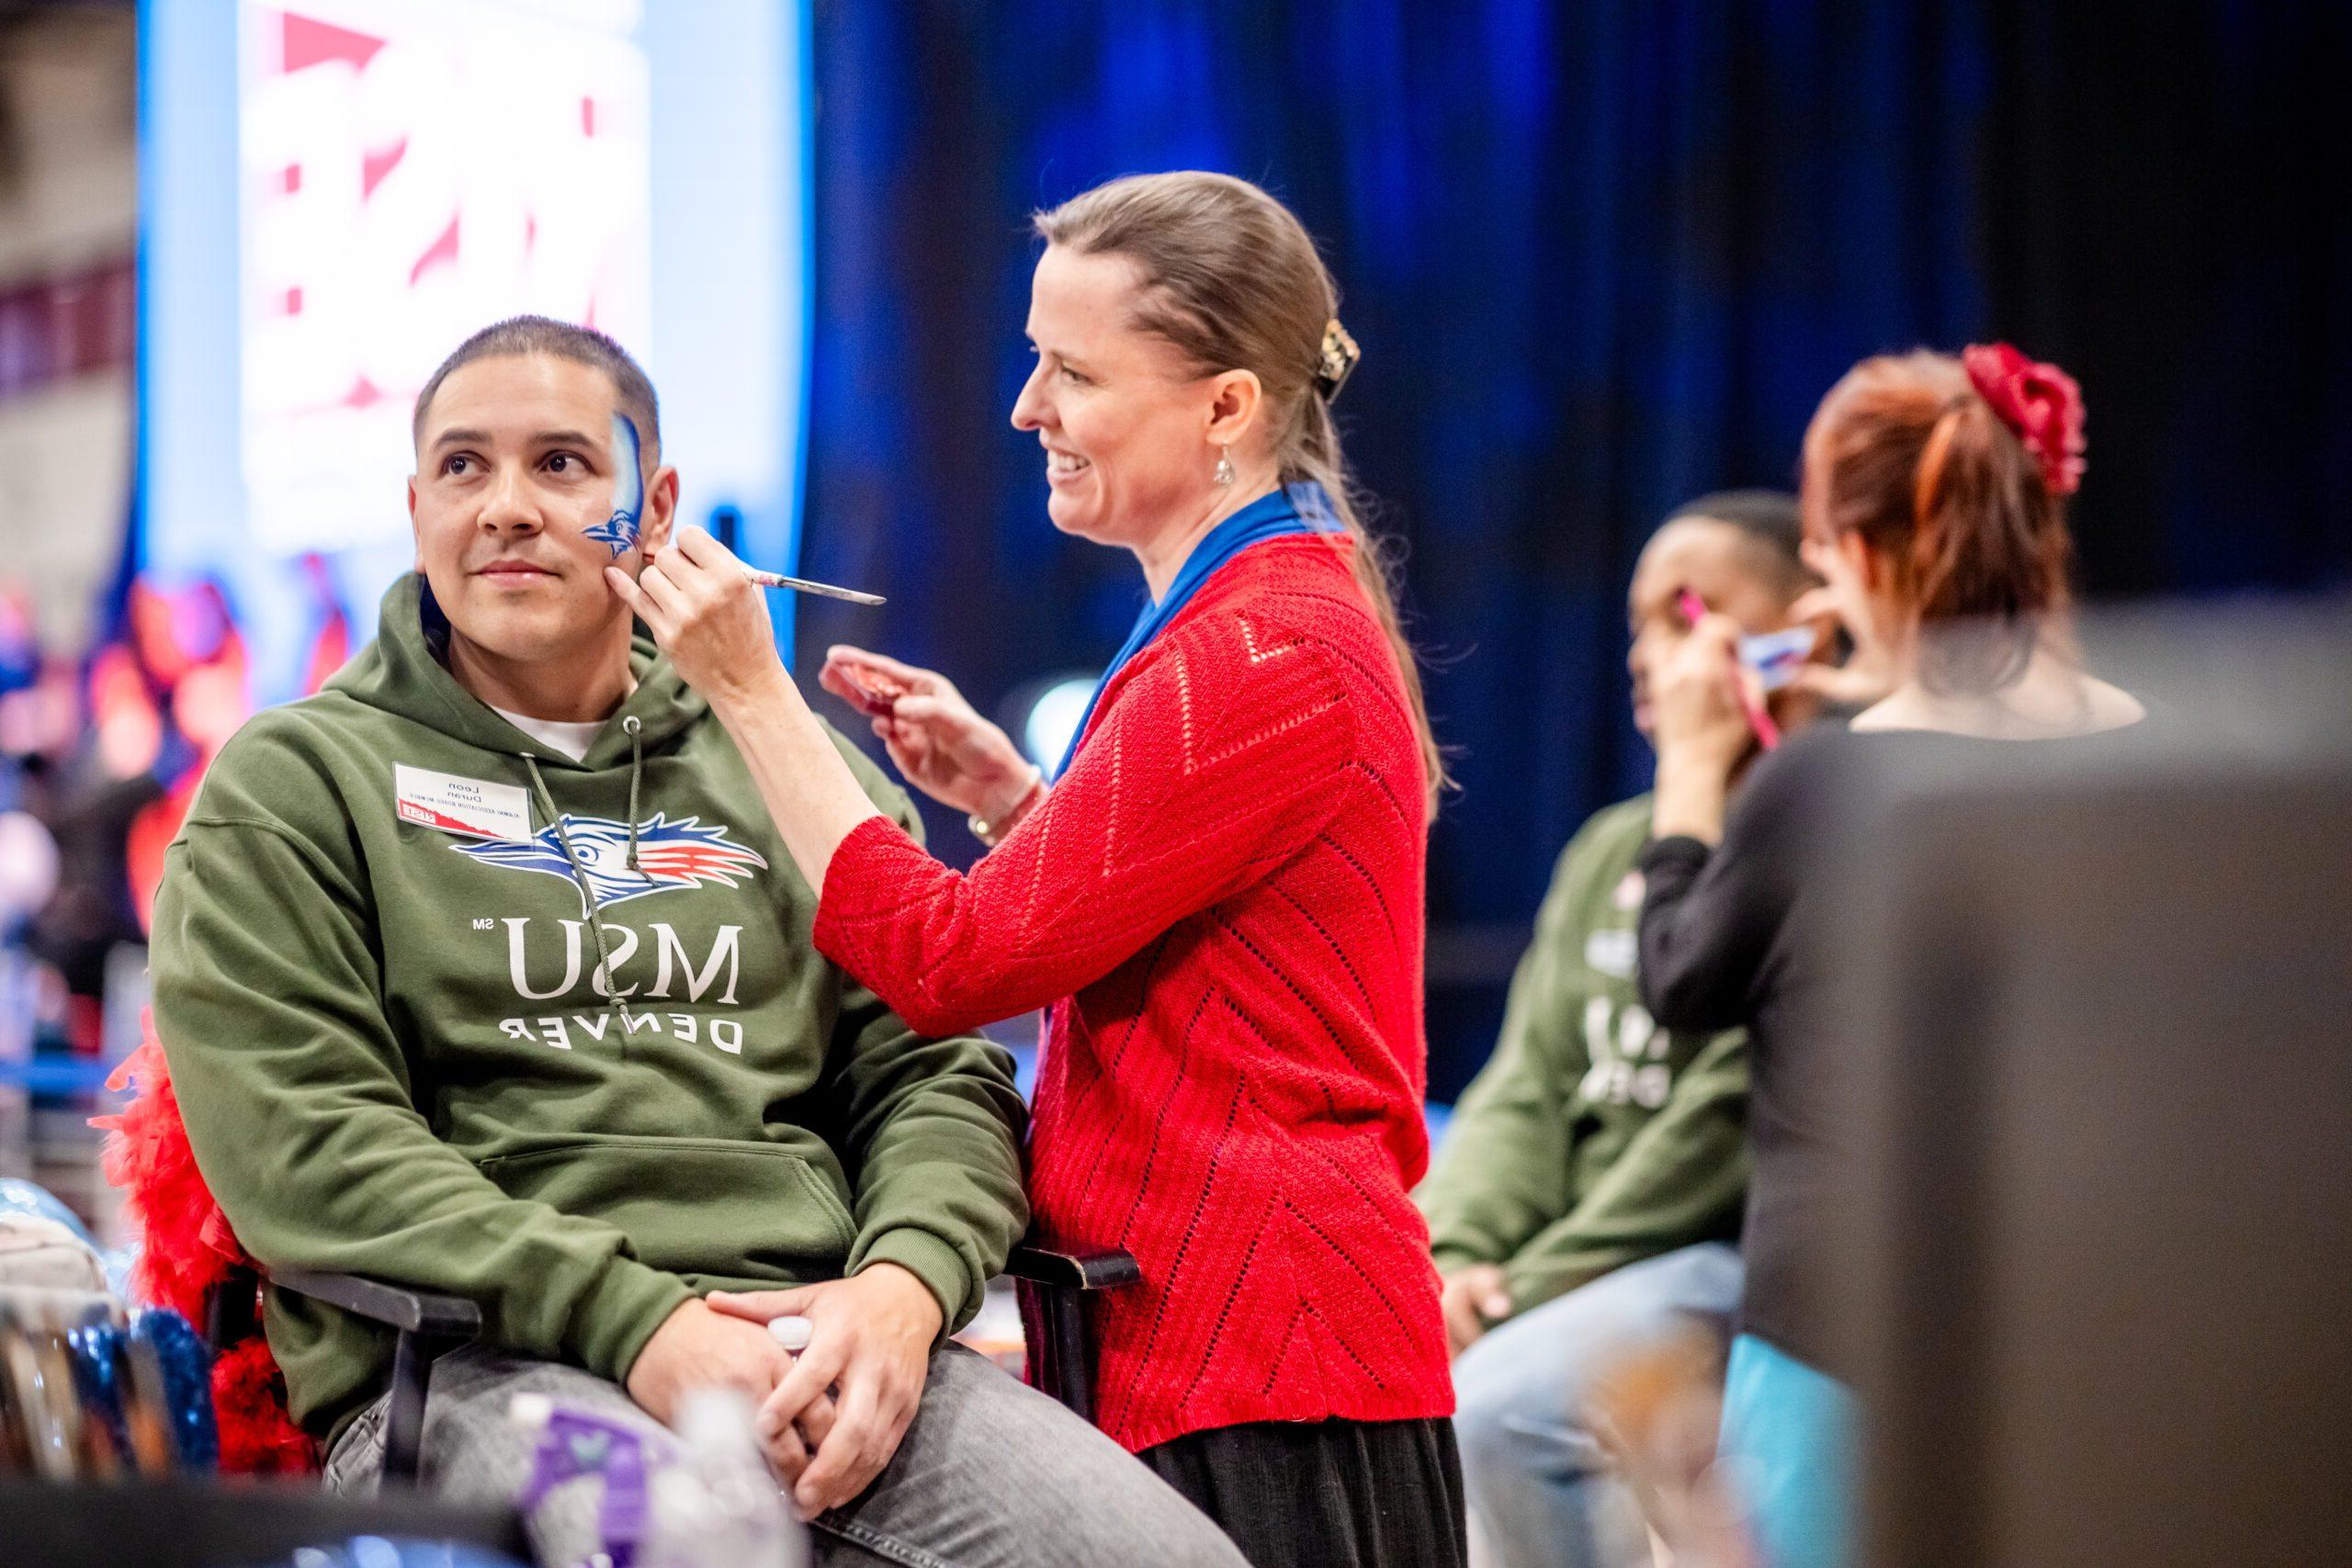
(1029, 408)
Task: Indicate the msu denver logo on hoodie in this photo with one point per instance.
(669, 855)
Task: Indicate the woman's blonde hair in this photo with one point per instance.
(1233, 282)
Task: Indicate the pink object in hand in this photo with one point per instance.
(1759, 719)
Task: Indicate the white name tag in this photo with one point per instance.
(457, 805)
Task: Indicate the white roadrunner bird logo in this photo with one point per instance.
(670, 855)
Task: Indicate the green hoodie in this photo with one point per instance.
(397, 1054)
(1592, 1139)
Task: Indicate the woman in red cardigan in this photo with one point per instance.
(1220, 897)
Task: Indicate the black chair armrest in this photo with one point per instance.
(429, 1323)
(396, 1306)
(1054, 1285)
(1094, 1271)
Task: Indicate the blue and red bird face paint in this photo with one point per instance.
(618, 532)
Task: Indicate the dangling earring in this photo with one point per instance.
(1225, 465)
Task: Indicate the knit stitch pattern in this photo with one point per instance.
(1221, 904)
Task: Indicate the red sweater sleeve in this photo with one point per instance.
(1228, 748)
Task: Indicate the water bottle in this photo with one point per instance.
(718, 1504)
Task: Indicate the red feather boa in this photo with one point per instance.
(257, 1438)
(189, 1248)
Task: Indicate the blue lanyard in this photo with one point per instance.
(1302, 508)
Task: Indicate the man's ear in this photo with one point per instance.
(659, 524)
(415, 536)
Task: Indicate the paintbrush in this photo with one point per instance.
(802, 585)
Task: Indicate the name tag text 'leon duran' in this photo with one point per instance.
(457, 805)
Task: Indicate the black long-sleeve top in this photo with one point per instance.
(1726, 941)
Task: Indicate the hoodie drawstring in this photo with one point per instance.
(579, 871)
(636, 773)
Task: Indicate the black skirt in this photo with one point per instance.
(1326, 1493)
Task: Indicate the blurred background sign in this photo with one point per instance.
(407, 173)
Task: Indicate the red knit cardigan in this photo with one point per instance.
(1222, 903)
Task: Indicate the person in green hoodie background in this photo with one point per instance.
(1587, 1192)
(483, 972)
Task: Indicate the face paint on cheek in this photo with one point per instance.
(619, 532)
(1777, 657)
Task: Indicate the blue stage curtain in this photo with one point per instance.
(1601, 257)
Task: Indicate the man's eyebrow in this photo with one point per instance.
(483, 438)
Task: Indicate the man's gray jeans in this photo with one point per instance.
(992, 1474)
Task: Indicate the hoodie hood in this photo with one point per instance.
(401, 673)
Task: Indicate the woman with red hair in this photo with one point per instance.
(1934, 498)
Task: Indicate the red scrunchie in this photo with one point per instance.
(2040, 402)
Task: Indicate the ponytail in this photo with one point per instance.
(1316, 456)
(1909, 452)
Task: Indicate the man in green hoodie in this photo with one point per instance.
(483, 972)
(1587, 1192)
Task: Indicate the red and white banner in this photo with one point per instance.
(412, 171)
